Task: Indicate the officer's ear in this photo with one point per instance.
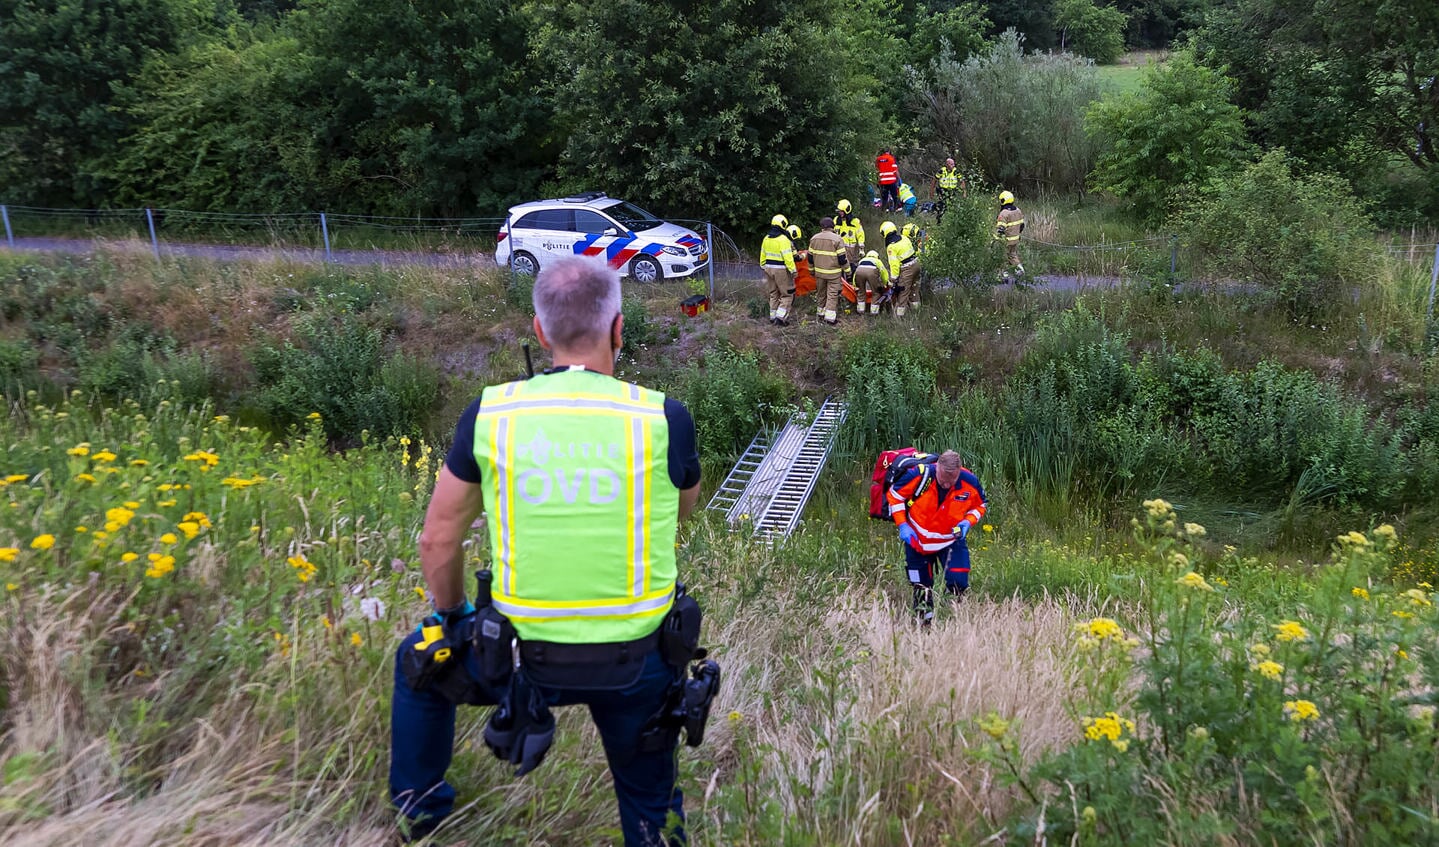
(617, 332)
(540, 334)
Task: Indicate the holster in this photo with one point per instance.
(680, 632)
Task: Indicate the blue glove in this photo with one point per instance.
(906, 534)
(963, 529)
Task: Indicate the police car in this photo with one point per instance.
(630, 239)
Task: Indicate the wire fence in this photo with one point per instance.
(351, 239)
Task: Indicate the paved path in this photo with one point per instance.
(353, 258)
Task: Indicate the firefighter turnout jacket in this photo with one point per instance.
(777, 249)
(827, 254)
(901, 252)
(935, 513)
(1009, 224)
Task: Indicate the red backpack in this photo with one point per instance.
(890, 466)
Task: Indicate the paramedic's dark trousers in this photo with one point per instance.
(953, 561)
(422, 726)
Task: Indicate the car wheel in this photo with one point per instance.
(645, 269)
(524, 264)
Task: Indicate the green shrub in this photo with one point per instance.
(731, 397)
(639, 329)
(959, 248)
(1304, 240)
(1214, 704)
(340, 370)
(19, 367)
(891, 393)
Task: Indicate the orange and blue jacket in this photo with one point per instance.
(935, 514)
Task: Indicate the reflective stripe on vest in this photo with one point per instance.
(582, 512)
(948, 179)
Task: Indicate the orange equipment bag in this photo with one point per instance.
(803, 277)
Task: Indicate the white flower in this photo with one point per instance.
(373, 608)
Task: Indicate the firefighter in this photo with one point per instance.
(935, 505)
(871, 281)
(948, 183)
(776, 256)
(903, 266)
(829, 257)
(1007, 229)
(851, 229)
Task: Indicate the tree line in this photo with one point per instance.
(725, 110)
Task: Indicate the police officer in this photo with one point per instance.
(584, 479)
(935, 505)
(776, 257)
(946, 187)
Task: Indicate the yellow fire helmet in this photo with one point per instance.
(780, 221)
(887, 227)
(873, 254)
(843, 206)
(910, 230)
(1005, 198)
(794, 234)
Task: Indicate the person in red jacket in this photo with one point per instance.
(888, 168)
(935, 506)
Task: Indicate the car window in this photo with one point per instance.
(545, 219)
(591, 222)
(633, 216)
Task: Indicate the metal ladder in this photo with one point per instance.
(774, 479)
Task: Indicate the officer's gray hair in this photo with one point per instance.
(576, 300)
(948, 461)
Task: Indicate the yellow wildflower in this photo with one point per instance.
(119, 516)
(1259, 649)
(1194, 580)
(1417, 597)
(80, 450)
(129, 557)
(1386, 532)
(10, 586)
(1290, 631)
(420, 591)
(1301, 710)
(282, 641)
(1111, 726)
(169, 538)
(8, 554)
(190, 528)
(204, 457)
(1401, 653)
(1121, 744)
(994, 725)
(1269, 669)
(988, 527)
(165, 504)
(43, 542)
(1194, 530)
(1400, 613)
(84, 477)
(104, 456)
(1361, 593)
(1101, 628)
(735, 717)
(303, 568)
(198, 517)
(355, 639)
(16, 477)
(1157, 508)
(238, 483)
(1356, 539)
(221, 419)
(138, 463)
(159, 565)
(82, 529)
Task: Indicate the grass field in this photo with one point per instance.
(1124, 76)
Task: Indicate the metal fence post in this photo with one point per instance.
(154, 242)
(325, 233)
(710, 249)
(1433, 278)
(9, 236)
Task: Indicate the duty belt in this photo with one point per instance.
(554, 652)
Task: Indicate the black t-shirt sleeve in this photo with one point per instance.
(461, 458)
(684, 454)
